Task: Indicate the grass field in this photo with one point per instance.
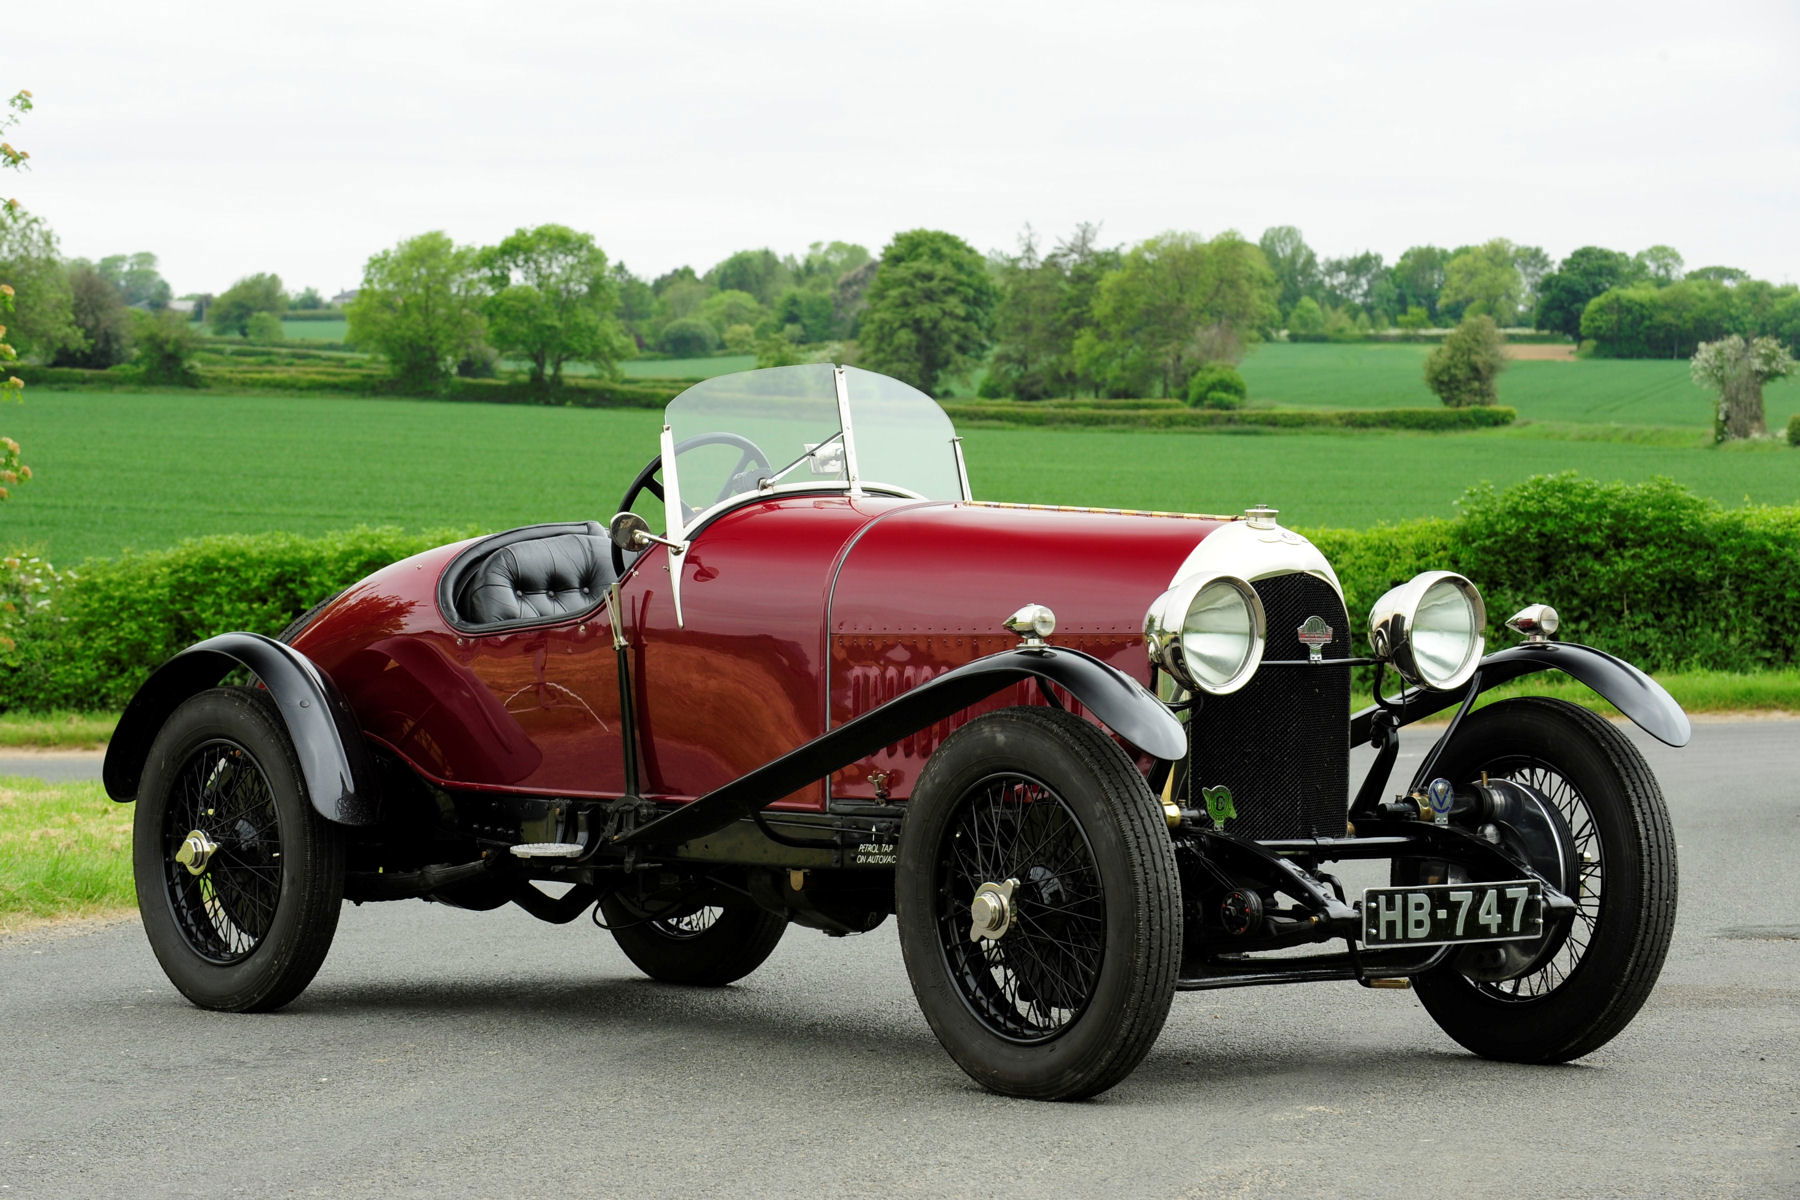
(686, 368)
(315, 331)
(123, 470)
(67, 850)
(1597, 390)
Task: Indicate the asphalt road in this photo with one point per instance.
(444, 1053)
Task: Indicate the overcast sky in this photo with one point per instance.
(300, 138)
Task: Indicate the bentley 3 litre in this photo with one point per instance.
(1085, 758)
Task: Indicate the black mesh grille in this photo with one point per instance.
(1282, 744)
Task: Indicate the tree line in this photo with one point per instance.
(1167, 316)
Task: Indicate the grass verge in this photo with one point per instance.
(56, 731)
(66, 851)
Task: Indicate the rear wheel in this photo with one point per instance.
(239, 881)
(708, 946)
(1038, 905)
(1579, 995)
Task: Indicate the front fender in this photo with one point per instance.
(1115, 698)
(334, 760)
(1624, 686)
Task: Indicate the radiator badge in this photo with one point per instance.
(1315, 635)
(1218, 805)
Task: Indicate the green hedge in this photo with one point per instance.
(1649, 572)
(349, 378)
(1177, 417)
(108, 624)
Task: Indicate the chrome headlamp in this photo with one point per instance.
(1430, 628)
(1208, 633)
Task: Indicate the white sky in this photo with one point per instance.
(237, 137)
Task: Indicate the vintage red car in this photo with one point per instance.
(1087, 758)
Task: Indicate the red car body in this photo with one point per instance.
(801, 613)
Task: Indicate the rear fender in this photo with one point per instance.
(334, 760)
(1623, 686)
(1116, 699)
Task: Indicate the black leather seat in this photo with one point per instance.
(533, 578)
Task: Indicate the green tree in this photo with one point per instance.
(1217, 385)
(1465, 370)
(1564, 294)
(722, 310)
(419, 307)
(688, 337)
(1737, 368)
(1033, 357)
(1533, 265)
(252, 294)
(1483, 281)
(1295, 265)
(1418, 278)
(1175, 303)
(1351, 282)
(1728, 276)
(307, 300)
(140, 284)
(43, 319)
(810, 311)
(99, 313)
(637, 304)
(165, 348)
(827, 262)
(1306, 323)
(930, 309)
(553, 302)
(1660, 265)
(13, 470)
(758, 272)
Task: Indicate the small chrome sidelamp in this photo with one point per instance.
(1535, 623)
(1033, 624)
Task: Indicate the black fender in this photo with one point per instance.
(334, 760)
(1119, 701)
(1625, 687)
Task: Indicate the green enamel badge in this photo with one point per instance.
(1218, 804)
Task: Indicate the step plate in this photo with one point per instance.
(548, 850)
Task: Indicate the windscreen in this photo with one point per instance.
(782, 427)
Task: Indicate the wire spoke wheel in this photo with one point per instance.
(1033, 982)
(1560, 967)
(239, 880)
(708, 945)
(227, 909)
(1039, 908)
(1590, 982)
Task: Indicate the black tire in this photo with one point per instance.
(709, 947)
(1071, 995)
(250, 931)
(1589, 989)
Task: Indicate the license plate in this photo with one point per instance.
(1453, 913)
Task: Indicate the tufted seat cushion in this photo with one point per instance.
(545, 577)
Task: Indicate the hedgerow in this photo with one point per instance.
(1173, 416)
(91, 641)
(1649, 572)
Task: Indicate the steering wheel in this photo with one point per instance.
(750, 456)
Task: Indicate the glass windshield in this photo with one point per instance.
(786, 427)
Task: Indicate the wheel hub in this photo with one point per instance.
(196, 851)
(991, 912)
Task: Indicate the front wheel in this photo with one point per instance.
(1038, 903)
(1587, 988)
(239, 881)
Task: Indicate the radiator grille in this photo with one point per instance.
(1282, 744)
